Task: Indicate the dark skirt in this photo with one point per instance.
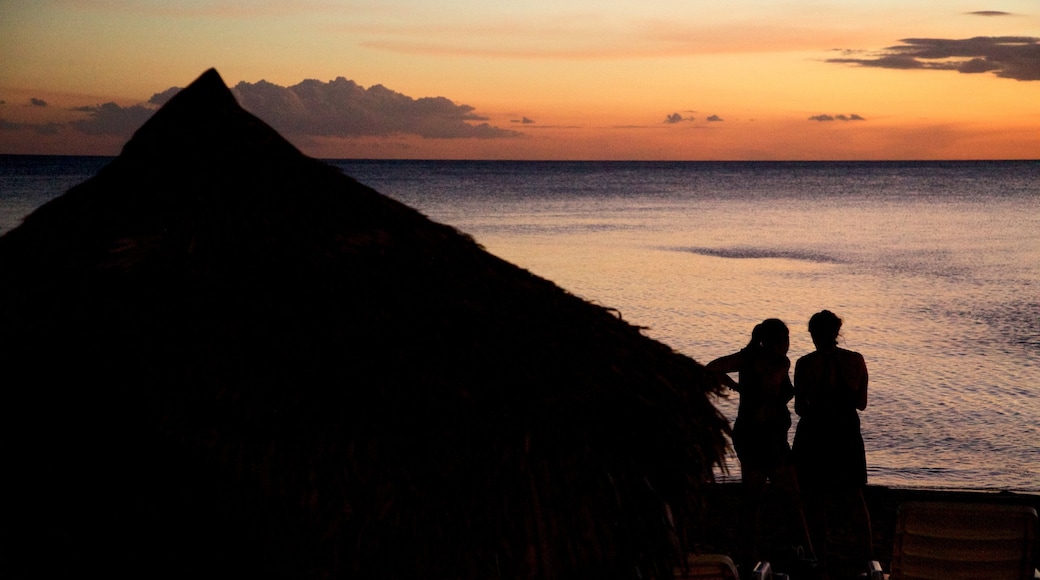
(762, 447)
(829, 454)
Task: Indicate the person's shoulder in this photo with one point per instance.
(849, 353)
(810, 355)
(807, 358)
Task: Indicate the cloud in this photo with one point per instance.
(104, 119)
(112, 119)
(159, 99)
(47, 128)
(342, 108)
(37, 102)
(715, 118)
(1011, 57)
(989, 13)
(825, 117)
(39, 128)
(522, 121)
(338, 108)
(585, 35)
(556, 127)
(227, 9)
(676, 118)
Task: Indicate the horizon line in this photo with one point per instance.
(610, 160)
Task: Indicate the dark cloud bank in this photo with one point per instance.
(39, 128)
(342, 108)
(112, 119)
(339, 108)
(1011, 57)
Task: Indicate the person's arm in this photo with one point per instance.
(786, 386)
(800, 404)
(861, 388)
(723, 366)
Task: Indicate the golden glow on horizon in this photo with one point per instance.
(597, 81)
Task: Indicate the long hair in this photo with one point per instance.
(769, 330)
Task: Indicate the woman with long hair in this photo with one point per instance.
(761, 426)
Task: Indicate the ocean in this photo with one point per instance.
(934, 267)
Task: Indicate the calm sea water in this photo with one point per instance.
(935, 268)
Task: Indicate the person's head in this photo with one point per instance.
(771, 336)
(824, 327)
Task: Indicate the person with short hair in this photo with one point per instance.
(830, 389)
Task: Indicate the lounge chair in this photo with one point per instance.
(717, 567)
(962, 541)
(708, 567)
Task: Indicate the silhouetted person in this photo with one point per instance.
(830, 390)
(760, 430)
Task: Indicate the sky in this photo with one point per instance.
(540, 79)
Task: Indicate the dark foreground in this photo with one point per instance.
(720, 532)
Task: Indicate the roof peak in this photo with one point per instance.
(202, 118)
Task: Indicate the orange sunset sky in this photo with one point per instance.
(560, 79)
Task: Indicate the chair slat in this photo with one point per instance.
(951, 541)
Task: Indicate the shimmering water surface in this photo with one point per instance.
(935, 268)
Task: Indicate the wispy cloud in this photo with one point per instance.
(1011, 57)
(825, 117)
(230, 9)
(989, 13)
(584, 37)
(555, 127)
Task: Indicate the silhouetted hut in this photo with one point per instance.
(225, 359)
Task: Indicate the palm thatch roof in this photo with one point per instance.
(223, 358)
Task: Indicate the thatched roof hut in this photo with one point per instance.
(223, 358)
